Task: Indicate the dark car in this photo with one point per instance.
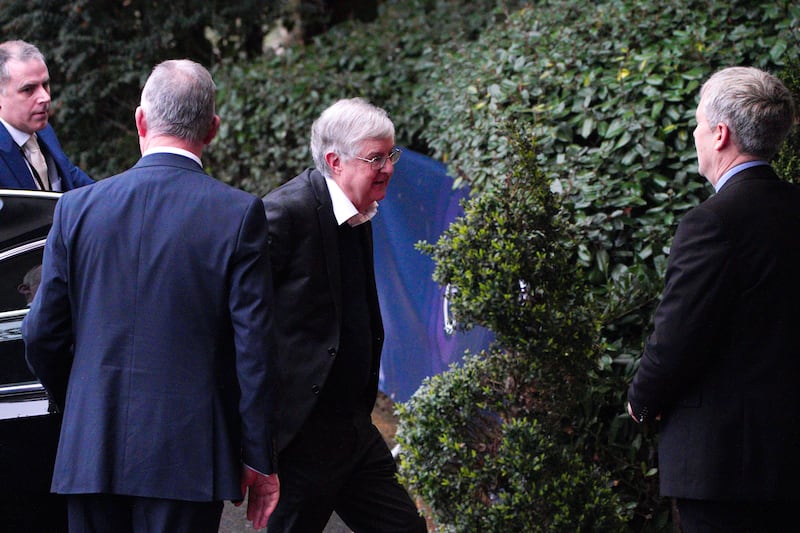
(29, 427)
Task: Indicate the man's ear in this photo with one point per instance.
(141, 122)
(722, 136)
(334, 162)
(212, 131)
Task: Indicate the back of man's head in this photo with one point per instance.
(178, 100)
(16, 51)
(755, 105)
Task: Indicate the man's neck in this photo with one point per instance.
(152, 143)
(19, 136)
(725, 164)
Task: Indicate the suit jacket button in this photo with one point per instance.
(332, 351)
(315, 389)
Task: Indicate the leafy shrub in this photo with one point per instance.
(787, 162)
(481, 467)
(609, 89)
(491, 444)
(509, 265)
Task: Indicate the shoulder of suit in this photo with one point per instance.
(226, 195)
(6, 141)
(310, 177)
(303, 186)
(752, 181)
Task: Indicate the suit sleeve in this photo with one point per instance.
(280, 249)
(77, 177)
(688, 318)
(74, 176)
(47, 329)
(251, 309)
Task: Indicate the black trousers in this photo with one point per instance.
(104, 513)
(341, 463)
(704, 516)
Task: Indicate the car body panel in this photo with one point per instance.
(29, 429)
(25, 219)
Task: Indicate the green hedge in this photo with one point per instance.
(100, 53)
(608, 90)
(267, 106)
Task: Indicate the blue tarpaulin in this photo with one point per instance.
(419, 205)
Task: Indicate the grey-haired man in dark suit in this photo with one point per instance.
(721, 370)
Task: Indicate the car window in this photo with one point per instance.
(20, 274)
(25, 216)
(25, 219)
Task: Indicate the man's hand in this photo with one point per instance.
(630, 413)
(641, 418)
(263, 497)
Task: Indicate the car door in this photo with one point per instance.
(28, 427)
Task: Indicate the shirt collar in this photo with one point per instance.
(173, 150)
(20, 137)
(343, 208)
(735, 170)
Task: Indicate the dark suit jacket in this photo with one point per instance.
(304, 253)
(14, 172)
(723, 364)
(160, 278)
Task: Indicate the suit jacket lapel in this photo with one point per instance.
(10, 153)
(330, 239)
(49, 153)
(371, 286)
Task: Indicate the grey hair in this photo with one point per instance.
(755, 105)
(343, 126)
(18, 51)
(178, 100)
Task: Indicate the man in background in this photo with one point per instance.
(30, 284)
(330, 332)
(30, 154)
(152, 330)
(721, 370)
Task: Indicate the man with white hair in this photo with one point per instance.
(330, 332)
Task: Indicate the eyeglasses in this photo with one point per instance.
(379, 161)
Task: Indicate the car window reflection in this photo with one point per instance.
(30, 284)
(19, 279)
